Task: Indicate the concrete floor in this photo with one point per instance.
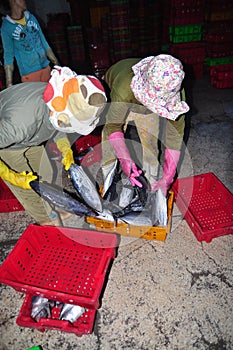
(160, 295)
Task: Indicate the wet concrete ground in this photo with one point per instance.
(160, 295)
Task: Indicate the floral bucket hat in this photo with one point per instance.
(75, 101)
(156, 84)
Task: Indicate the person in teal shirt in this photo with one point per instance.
(24, 41)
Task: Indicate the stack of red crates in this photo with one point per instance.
(221, 76)
(61, 264)
(98, 51)
(192, 55)
(186, 35)
(219, 42)
(184, 12)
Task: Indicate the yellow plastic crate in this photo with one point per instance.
(145, 232)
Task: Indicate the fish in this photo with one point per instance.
(71, 312)
(120, 195)
(127, 194)
(106, 214)
(158, 208)
(85, 187)
(58, 197)
(109, 178)
(142, 218)
(40, 308)
(113, 185)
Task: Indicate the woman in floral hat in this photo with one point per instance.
(146, 93)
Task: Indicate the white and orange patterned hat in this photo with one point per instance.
(156, 84)
(75, 101)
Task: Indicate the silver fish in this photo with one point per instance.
(159, 208)
(85, 187)
(121, 196)
(40, 308)
(71, 312)
(127, 193)
(142, 218)
(105, 215)
(61, 199)
(109, 178)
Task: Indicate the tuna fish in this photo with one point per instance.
(158, 208)
(85, 187)
(40, 308)
(109, 178)
(142, 218)
(71, 312)
(61, 199)
(121, 196)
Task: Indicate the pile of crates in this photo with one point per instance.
(186, 35)
(76, 45)
(120, 29)
(57, 36)
(145, 27)
(219, 42)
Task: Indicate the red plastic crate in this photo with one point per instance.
(89, 141)
(206, 204)
(64, 264)
(223, 84)
(83, 325)
(8, 202)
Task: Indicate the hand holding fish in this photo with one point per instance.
(117, 141)
(161, 184)
(171, 159)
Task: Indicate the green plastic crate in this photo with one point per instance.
(187, 29)
(217, 61)
(185, 38)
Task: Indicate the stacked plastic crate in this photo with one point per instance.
(57, 35)
(120, 27)
(145, 27)
(186, 35)
(98, 51)
(76, 45)
(138, 30)
(219, 42)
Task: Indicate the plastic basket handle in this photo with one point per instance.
(51, 323)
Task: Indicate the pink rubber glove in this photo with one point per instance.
(169, 170)
(117, 141)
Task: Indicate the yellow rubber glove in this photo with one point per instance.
(63, 145)
(17, 179)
